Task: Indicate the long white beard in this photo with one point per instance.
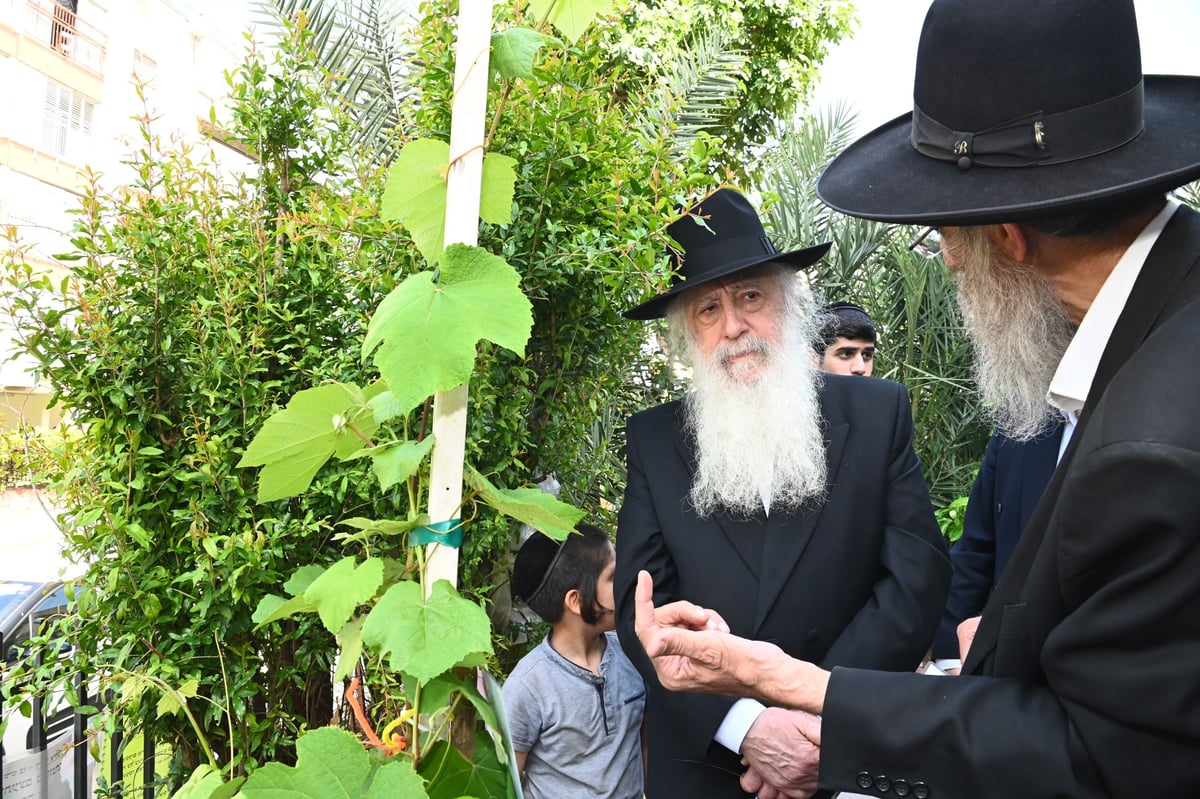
(756, 435)
(1020, 330)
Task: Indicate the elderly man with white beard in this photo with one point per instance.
(788, 501)
(1043, 155)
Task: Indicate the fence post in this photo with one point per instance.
(148, 775)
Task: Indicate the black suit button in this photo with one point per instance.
(864, 779)
(814, 636)
(920, 790)
(883, 784)
(900, 787)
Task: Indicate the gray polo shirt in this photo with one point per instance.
(582, 731)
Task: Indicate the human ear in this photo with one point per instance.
(1014, 240)
(573, 602)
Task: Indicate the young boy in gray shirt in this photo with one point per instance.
(575, 702)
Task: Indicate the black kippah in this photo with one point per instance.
(535, 560)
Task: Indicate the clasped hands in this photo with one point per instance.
(692, 650)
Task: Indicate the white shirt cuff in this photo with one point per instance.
(945, 664)
(737, 723)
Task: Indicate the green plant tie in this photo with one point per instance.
(448, 533)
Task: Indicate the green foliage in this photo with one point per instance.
(950, 518)
(28, 455)
(332, 764)
(195, 306)
(782, 43)
(424, 334)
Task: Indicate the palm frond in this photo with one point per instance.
(696, 93)
(361, 46)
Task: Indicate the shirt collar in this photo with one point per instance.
(1073, 378)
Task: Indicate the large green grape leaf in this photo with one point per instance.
(513, 51)
(332, 764)
(272, 608)
(295, 443)
(425, 636)
(499, 178)
(572, 17)
(530, 505)
(424, 334)
(458, 777)
(206, 783)
(399, 460)
(349, 640)
(342, 588)
(415, 193)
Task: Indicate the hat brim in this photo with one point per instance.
(881, 176)
(797, 259)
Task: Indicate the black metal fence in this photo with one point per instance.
(36, 780)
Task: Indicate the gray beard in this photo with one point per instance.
(1020, 330)
(759, 435)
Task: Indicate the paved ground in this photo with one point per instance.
(30, 541)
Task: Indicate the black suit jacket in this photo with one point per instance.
(1088, 656)
(859, 579)
(1009, 485)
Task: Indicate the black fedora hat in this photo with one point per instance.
(720, 235)
(1022, 108)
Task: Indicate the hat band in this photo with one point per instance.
(1037, 139)
(723, 252)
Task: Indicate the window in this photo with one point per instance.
(145, 68)
(66, 120)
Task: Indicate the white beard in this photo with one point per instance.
(1020, 330)
(756, 435)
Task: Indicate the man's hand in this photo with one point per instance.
(782, 749)
(691, 647)
(966, 634)
(692, 650)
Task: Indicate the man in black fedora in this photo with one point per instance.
(793, 505)
(1043, 156)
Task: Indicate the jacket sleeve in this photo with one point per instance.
(1112, 706)
(973, 557)
(894, 628)
(640, 545)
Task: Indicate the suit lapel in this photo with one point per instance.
(788, 533)
(1157, 285)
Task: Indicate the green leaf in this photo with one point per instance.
(452, 776)
(496, 197)
(424, 333)
(302, 578)
(349, 640)
(205, 783)
(530, 505)
(332, 764)
(399, 460)
(171, 702)
(270, 610)
(425, 636)
(514, 50)
(342, 588)
(379, 527)
(295, 443)
(168, 705)
(572, 17)
(416, 194)
(385, 526)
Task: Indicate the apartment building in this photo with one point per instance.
(68, 99)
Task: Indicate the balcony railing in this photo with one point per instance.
(61, 29)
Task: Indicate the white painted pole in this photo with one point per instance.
(468, 121)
